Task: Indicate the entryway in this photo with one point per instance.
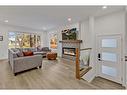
(109, 57)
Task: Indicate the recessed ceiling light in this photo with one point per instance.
(69, 19)
(104, 7)
(5, 20)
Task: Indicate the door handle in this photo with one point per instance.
(99, 57)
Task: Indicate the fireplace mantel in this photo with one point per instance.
(71, 41)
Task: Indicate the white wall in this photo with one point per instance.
(110, 24)
(44, 39)
(88, 38)
(85, 34)
(126, 42)
(4, 29)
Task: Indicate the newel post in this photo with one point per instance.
(77, 64)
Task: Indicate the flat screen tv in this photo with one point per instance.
(69, 34)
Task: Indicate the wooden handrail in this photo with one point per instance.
(85, 49)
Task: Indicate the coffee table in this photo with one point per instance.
(51, 55)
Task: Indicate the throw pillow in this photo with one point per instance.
(28, 53)
(15, 49)
(39, 49)
(20, 54)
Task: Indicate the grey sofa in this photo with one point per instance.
(43, 50)
(19, 64)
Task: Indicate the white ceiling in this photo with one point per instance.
(49, 17)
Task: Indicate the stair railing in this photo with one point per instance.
(79, 72)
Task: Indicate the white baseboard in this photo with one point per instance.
(3, 59)
(126, 86)
(90, 80)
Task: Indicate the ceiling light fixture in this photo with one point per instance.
(5, 20)
(69, 19)
(104, 7)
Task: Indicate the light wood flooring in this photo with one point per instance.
(58, 74)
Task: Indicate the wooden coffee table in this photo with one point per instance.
(51, 56)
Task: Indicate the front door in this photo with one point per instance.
(109, 57)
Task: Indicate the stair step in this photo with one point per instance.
(84, 70)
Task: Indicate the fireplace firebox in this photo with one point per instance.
(69, 51)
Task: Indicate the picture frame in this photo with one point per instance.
(1, 38)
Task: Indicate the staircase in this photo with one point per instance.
(84, 70)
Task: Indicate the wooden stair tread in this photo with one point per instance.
(84, 70)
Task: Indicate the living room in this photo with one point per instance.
(65, 34)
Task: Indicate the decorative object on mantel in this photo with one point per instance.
(69, 34)
(1, 38)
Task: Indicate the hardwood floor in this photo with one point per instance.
(106, 84)
(59, 74)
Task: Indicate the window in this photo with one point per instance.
(38, 40)
(112, 43)
(109, 71)
(107, 56)
(12, 39)
(23, 40)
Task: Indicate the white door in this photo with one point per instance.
(109, 57)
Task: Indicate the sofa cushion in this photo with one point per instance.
(45, 49)
(20, 54)
(15, 55)
(15, 49)
(39, 49)
(33, 49)
(28, 53)
(25, 49)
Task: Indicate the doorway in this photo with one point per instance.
(109, 57)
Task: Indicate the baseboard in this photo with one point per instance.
(3, 59)
(92, 78)
(125, 85)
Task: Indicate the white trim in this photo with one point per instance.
(91, 79)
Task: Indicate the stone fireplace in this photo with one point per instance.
(69, 48)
